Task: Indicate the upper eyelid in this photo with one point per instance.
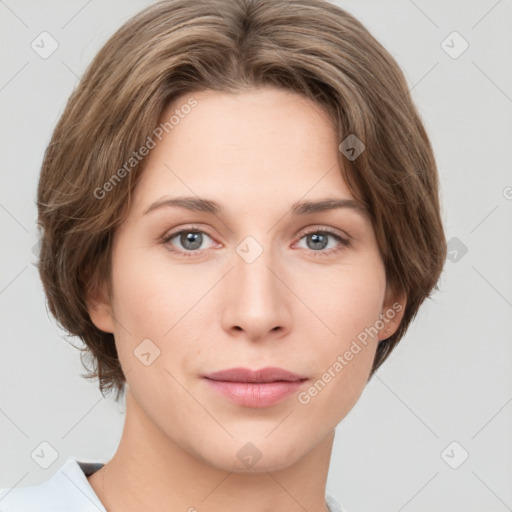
(304, 232)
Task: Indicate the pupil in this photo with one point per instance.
(194, 239)
(318, 239)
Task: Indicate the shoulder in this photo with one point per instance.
(333, 505)
(67, 489)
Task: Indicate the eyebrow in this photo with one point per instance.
(299, 208)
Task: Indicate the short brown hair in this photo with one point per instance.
(176, 47)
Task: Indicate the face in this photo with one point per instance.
(256, 283)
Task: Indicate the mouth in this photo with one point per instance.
(259, 388)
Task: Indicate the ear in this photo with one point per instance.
(393, 310)
(100, 308)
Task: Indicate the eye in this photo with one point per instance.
(190, 241)
(318, 239)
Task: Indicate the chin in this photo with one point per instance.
(258, 456)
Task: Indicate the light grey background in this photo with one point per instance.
(449, 379)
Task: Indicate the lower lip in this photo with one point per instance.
(251, 394)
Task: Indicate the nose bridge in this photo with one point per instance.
(256, 296)
(253, 278)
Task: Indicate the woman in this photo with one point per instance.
(240, 219)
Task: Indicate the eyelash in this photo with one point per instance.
(324, 230)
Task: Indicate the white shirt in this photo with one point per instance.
(68, 490)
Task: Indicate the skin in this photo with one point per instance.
(296, 306)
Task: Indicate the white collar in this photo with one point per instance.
(69, 489)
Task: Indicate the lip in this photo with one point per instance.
(268, 374)
(255, 388)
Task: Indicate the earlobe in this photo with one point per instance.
(392, 313)
(100, 310)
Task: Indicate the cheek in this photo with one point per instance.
(150, 292)
(158, 301)
(349, 298)
(350, 307)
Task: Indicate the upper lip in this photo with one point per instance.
(269, 374)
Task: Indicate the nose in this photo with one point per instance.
(256, 298)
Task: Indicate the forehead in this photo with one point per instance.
(261, 145)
